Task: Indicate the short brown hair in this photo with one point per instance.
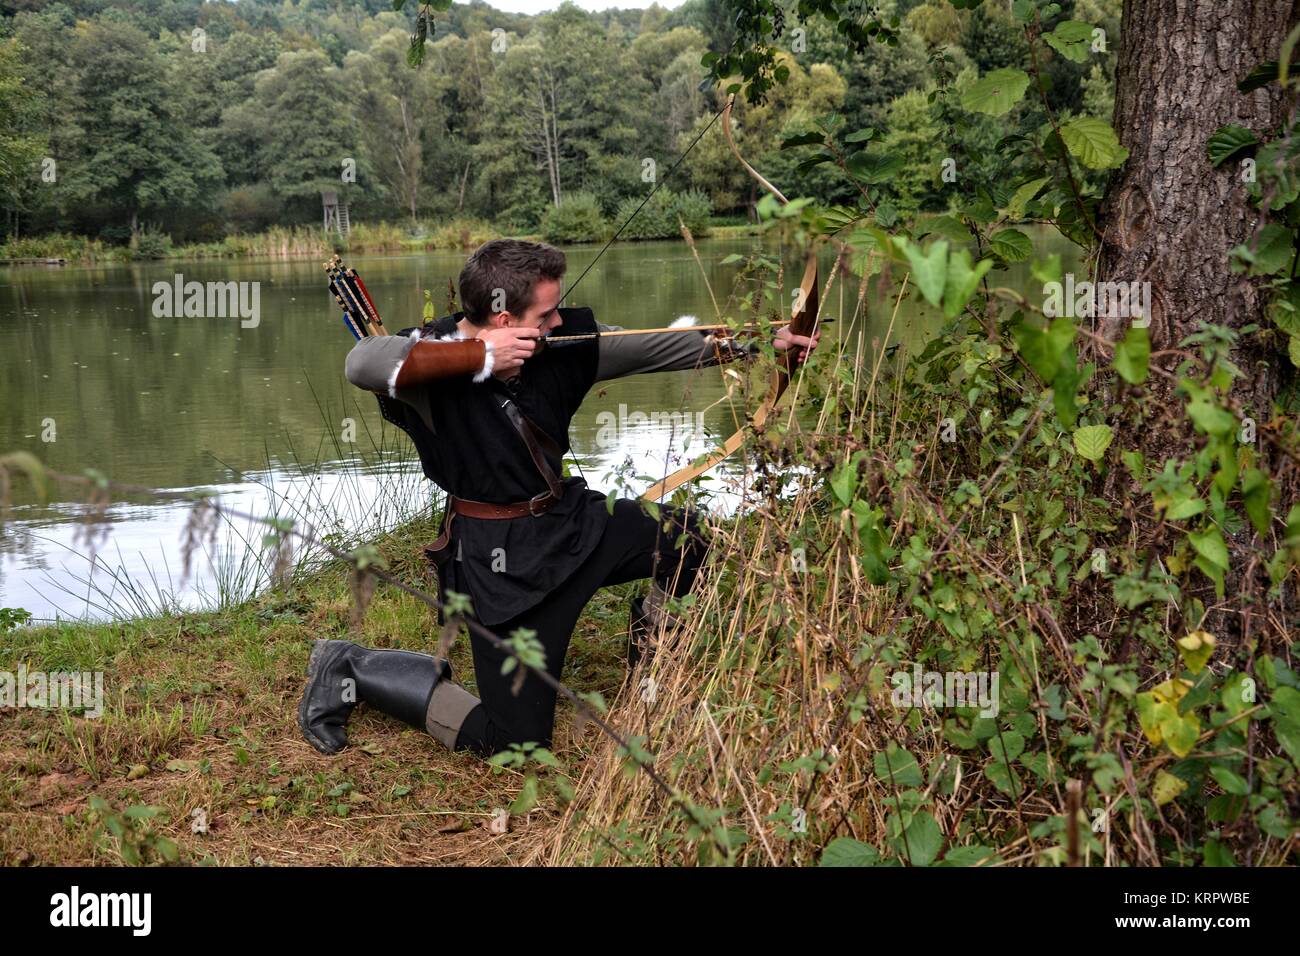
(511, 265)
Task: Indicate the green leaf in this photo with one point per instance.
(1262, 75)
(844, 481)
(1211, 555)
(1209, 544)
(924, 840)
(1256, 493)
(1020, 198)
(845, 851)
(1091, 441)
(944, 227)
(1133, 355)
(803, 139)
(415, 52)
(1072, 39)
(1184, 506)
(970, 856)
(1180, 734)
(1284, 707)
(527, 798)
(962, 281)
(1231, 782)
(875, 550)
(906, 772)
(874, 168)
(1047, 270)
(995, 92)
(1093, 143)
(167, 849)
(1228, 141)
(1006, 746)
(1011, 245)
(1065, 389)
(1272, 253)
(1285, 710)
(1044, 348)
(1210, 418)
(929, 268)
(1004, 777)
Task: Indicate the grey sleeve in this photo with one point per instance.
(621, 355)
(373, 362)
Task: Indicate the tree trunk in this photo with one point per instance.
(464, 179)
(1170, 218)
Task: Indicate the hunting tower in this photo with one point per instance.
(336, 214)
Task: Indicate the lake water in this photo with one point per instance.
(264, 415)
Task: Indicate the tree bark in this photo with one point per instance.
(1170, 218)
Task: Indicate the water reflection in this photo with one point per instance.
(93, 378)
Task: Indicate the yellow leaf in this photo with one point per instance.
(1196, 648)
(1166, 788)
(1171, 691)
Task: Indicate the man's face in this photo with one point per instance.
(543, 313)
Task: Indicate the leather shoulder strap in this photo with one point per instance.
(535, 439)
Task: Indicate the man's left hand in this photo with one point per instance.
(801, 344)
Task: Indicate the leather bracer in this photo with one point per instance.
(429, 360)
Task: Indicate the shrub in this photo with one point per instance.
(576, 219)
(250, 209)
(664, 213)
(153, 245)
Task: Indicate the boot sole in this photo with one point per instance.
(317, 658)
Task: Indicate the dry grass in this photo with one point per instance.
(201, 714)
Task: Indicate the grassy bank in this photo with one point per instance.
(201, 714)
(282, 242)
(289, 242)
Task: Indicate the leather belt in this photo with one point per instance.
(534, 506)
(537, 441)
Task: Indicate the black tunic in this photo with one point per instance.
(469, 448)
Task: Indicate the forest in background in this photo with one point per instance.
(152, 121)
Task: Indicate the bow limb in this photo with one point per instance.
(803, 321)
(759, 178)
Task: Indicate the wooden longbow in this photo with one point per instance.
(803, 321)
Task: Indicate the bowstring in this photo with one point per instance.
(663, 179)
(628, 221)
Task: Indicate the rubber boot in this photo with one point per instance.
(341, 675)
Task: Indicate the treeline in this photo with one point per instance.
(145, 121)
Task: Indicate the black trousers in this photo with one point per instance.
(633, 546)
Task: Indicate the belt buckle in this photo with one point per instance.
(533, 501)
